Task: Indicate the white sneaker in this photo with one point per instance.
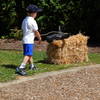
(33, 67)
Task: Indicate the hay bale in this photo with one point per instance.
(71, 50)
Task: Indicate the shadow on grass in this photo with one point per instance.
(9, 66)
(44, 62)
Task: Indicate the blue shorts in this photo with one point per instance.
(28, 49)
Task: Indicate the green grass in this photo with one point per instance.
(9, 60)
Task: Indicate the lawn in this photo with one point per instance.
(9, 60)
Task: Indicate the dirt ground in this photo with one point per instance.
(11, 44)
(81, 83)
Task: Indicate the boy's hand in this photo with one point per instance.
(37, 34)
(40, 40)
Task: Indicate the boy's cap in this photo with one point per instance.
(33, 8)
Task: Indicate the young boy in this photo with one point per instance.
(30, 30)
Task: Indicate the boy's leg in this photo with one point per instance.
(25, 61)
(21, 70)
(31, 62)
(32, 66)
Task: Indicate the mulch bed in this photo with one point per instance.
(12, 44)
(76, 84)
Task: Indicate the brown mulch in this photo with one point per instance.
(82, 84)
(11, 44)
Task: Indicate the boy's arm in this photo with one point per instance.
(37, 34)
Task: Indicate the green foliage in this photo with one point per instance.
(16, 34)
(71, 15)
(54, 14)
(7, 15)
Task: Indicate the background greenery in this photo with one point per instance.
(72, 15)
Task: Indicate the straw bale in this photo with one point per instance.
(71, 50)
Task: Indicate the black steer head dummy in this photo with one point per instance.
(56, 35)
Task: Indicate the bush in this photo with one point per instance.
(16, 34)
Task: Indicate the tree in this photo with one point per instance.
(7, 15)
(72, 15)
